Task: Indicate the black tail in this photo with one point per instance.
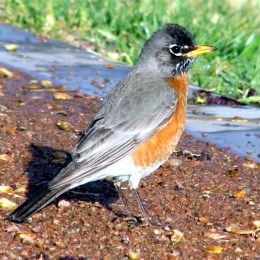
(37, 201)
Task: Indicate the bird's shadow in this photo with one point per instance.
(43, 167)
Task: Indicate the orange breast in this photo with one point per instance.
(163, 143)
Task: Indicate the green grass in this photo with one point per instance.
(119, 28)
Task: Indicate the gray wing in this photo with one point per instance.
(132, 112)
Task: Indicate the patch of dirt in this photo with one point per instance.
(209, 203)
(207, 97)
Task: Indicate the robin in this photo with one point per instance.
(138, 126)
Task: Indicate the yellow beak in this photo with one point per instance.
(200, 49)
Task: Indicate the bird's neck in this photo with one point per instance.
(180, 83)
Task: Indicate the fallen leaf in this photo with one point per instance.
(256, 223)
(256, 233)
(214, 249)
(24, 234)
(5, 157)
(215, 236)
(17, 196)
(245, 232)
(11, 47)
(200, 99)
(4, 73)
(21, 189)
(33, 81)
(133, 255)
(61, 96)
(251, 165)
(27, 237)
(233, 228)
(240, 194)
(5, 189)
(46, 83)
(62, 125)
(205, 219)
(7, 204)
(177, 236)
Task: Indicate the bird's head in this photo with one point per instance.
(170, 51)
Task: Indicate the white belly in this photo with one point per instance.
(122, 170)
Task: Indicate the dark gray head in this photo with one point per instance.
(170, 51)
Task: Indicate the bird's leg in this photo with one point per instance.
(141, 205)
(122, 196)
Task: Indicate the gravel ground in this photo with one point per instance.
(208, 205)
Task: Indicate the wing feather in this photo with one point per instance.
(132, 113)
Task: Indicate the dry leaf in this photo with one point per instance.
(24, 234)
(65, 126)
(240, 194)
(133, 255)
(215, 236)
(203, 219)
(5, 189)
(5, 157)
(46, 83)
(7, 204)
(256, 233)
(4, 73)
(256, 223)
(33, 81)
(27, 237)
(252, 165)
(214, 249)
(61, 96)
(245, 232)
(17, 196)
(11, 47)
(177, 237)
(21, 189)
(233, 228)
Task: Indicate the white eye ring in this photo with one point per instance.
(177, 51)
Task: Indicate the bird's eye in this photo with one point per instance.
(175, 49)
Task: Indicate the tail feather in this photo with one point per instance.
(37, 201)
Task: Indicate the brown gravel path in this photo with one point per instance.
(210, 203)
